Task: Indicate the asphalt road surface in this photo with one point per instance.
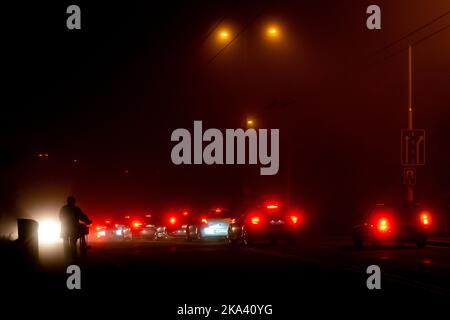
(314, 276)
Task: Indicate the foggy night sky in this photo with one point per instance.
(111, 94)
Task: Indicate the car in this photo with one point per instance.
(393, 223)
(269, 222)
(212, 225)
(142, 227)
(173, 225)
(122, 232)
(111, 232)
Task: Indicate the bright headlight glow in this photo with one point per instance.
(49, 231)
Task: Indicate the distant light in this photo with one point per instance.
(223, 35)
(255, 220)
(294, 219)
(273, 32)
(185, 213)
(272, 206)
(383, 225)
(49, 231)
(101, 233)
(425, 218)
(137, 224)
(204, 220)
(172, 220)
(218, 210)
(148, 215)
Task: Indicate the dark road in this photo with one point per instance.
(175, 273)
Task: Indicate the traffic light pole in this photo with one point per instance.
(410, 194)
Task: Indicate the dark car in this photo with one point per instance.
(172, 226)
(270, 222)
(393, 223)
(111, 231)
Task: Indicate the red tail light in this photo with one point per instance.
(136, 224)
(172, 220)
(272, 206)
(255, 220)
(425, 218)
(204, 221)
(294, 219)
(383, 225)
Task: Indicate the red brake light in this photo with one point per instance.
(383, 225)
(272, 206)
(172, 220)
(255, 220)
(185, 213)
(204, 221)
(425, 218)
(294, 219)
(137, 224)
(218, 210)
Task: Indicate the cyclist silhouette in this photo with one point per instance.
(73, 227)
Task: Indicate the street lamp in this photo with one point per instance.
(250, 123)
(272, 32)
(223, 35)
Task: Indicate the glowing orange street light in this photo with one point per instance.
(273, 32)
(224, 35)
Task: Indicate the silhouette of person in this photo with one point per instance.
(71, 229)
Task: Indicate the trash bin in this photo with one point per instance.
(28, 241)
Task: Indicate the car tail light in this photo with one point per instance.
(204, 221)
(255, 220)
(137, 224)
(383, 225)
(425, 218)
(294, 219)
(172, 220)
